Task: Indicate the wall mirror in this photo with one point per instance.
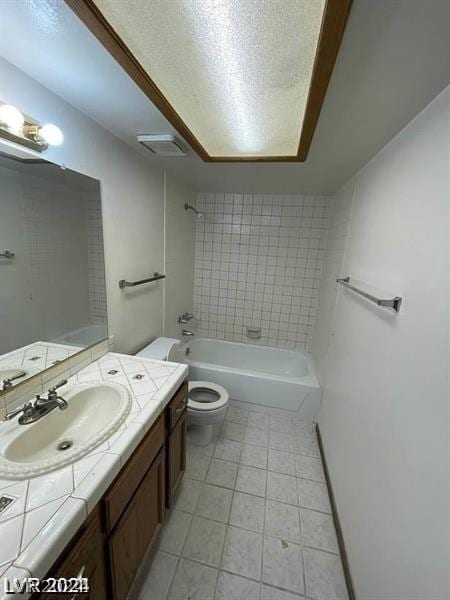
(52, 275)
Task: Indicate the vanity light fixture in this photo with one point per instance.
(11, 117)
(52, 134)
(22, 129)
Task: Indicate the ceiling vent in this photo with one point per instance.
(162, 145)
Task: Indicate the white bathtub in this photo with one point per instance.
(85, 336)
(258, 374)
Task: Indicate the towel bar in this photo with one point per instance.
(394, 303)
(156, 276)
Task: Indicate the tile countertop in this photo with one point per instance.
(49, 509)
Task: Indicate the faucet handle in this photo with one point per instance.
(58, 385)
(12, 414)
(184, 318)
(25, 408)
(8, 382)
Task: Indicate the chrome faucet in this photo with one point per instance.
(33, 411)
(185, 318)
(186, 332)
(8, 382)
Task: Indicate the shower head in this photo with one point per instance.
(197, 212)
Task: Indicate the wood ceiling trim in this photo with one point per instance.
(333, 25)
(90, 15)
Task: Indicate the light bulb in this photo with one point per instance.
(11, 117)
(51, 134)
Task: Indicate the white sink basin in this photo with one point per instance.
(94, 412)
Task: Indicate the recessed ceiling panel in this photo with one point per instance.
(240, 79)
(236, 71)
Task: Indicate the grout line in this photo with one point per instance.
(263, 535)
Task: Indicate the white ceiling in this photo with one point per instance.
(393, 61)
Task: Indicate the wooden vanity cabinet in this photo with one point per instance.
(176, 450)
(84, 557)
(119, 538)
(132, 541)
(176, 442)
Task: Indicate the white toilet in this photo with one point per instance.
(207, 402)
(207, 405)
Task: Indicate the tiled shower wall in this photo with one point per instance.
(258, 263)
(64, 225)
(55, 231)
(96, 259)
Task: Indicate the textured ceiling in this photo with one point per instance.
(236, 71)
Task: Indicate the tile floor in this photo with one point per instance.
(252, 520)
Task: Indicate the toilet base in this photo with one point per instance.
(201, 435)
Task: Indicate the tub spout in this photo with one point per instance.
(186, 332)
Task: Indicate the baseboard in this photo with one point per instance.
(337, 524)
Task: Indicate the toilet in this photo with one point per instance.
(207, 405)
(207, 401)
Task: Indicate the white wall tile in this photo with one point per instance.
(258, 263)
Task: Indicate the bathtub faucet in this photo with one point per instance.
(184, 318)
(186, 332)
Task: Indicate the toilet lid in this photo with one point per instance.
(214, 389)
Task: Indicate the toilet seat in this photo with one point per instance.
(206, 406)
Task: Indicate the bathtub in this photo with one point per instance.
(85, 336)
(258, 374)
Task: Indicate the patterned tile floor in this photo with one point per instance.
(252, 520)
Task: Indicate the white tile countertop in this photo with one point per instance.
(49, 509)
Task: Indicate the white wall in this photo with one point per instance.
(340, 217)
(132, 203)
(384, 418)
(15, 284)
(258, 263)
(179, 256)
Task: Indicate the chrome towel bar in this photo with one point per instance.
(6, 254)
(394, 303)
(156, 276)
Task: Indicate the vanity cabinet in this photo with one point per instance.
(133, 473)
(119, 538)
(84, 557)
(133, 538)
(176, 449)
(176, 442)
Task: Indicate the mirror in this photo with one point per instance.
(52, 275)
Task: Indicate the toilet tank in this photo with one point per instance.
(158, 349)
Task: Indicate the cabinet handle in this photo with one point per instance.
(79, 576)
(181, 408)
(81, 573)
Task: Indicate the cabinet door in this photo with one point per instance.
(177, 406)
(176, 458)
(86, 558)
(152, 504)
(137, 530)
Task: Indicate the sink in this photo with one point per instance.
(95, 411)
